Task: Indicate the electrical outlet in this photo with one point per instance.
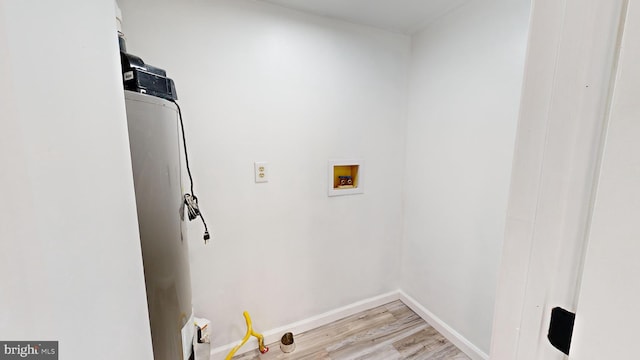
(261, 171)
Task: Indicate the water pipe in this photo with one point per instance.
(263, 349)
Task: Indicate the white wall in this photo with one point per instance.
(261, 83)
(70, 261)
(465, 80)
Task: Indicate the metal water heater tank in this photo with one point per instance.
(155, 157)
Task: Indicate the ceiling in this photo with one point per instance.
(405, 16)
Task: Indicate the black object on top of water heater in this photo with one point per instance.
(146, 79)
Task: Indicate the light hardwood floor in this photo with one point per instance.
(388, 332)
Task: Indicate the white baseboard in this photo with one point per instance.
(313, 322)
(455, 337)
(273, 335)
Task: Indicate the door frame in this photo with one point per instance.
(569, 73)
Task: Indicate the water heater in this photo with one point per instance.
(155, 157)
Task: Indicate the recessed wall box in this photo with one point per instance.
(345, 177)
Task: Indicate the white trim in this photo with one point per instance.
(443, 328)
(568, 73)
(313, 322)
(328, 317)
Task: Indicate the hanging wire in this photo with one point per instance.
(190, 199)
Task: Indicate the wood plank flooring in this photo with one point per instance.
(387, 332)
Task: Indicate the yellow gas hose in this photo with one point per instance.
(263, 349)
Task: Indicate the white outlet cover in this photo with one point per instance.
(261, 170)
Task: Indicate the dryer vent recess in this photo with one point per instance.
(286, 343)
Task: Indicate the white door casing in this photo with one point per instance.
(609, 302)
(573, 47)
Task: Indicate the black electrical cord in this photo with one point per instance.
(191, 200)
